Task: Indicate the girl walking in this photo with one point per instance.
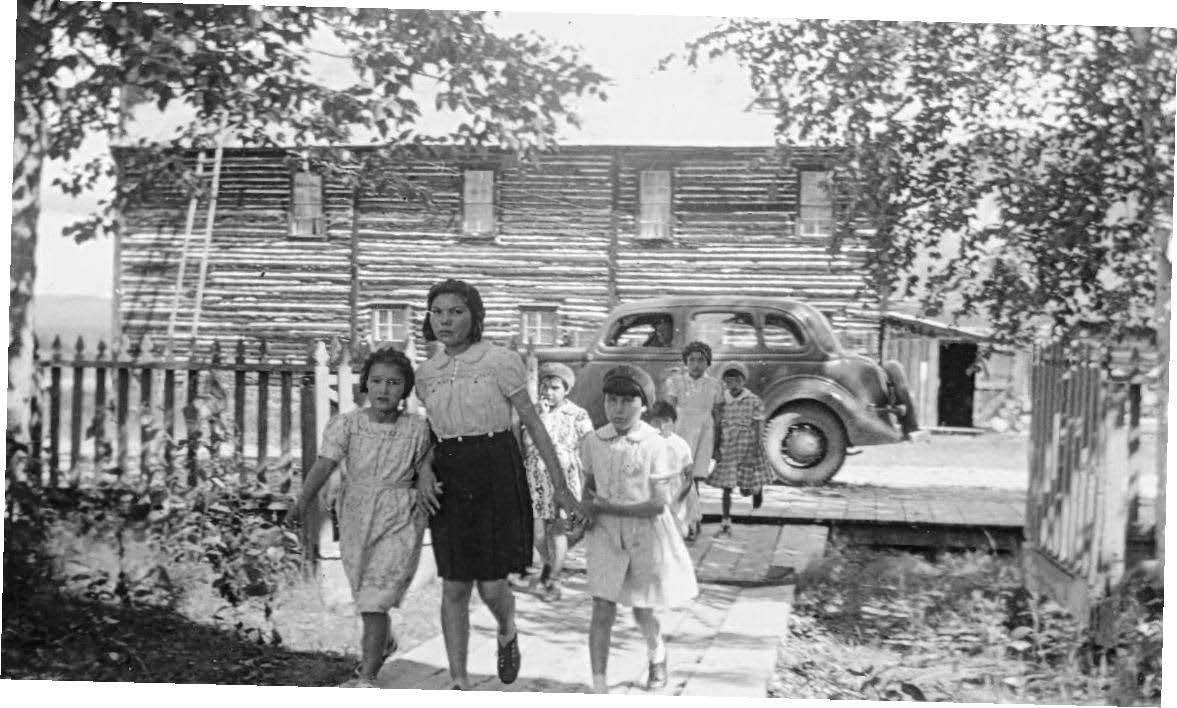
(636, 556)
(387, 491)
(662, 417)
(483, 528)
(698, 399)
(566, 423)
(741, 460)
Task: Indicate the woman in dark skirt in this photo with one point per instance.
(482, 529)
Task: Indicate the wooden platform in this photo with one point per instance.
(722, 644)
(933, 517)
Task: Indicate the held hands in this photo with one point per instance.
(428, 491)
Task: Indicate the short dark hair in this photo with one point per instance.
(624, 387)
(697, 346)
(469, 295)
(663, 410)
(392, 357)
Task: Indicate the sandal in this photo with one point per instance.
(509, 660)
(657, 678)
(390, 648)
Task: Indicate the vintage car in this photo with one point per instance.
(820, 400)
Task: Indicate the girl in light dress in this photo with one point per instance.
(388, 489)
(566, 423)
(698, 400)
(635, 554)
(741, 460)
(663, 417)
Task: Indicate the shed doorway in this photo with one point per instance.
(954, 402)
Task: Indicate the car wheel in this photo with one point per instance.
(805, 444)
(907, 422)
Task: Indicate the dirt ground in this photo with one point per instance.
(995, 460)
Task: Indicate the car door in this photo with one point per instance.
(650, 339)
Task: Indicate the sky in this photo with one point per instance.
(678, 106)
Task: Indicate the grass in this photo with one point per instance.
(293, 638)
(872, 625)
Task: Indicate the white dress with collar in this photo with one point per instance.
(637, 562)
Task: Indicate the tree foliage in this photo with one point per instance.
(1066, 130)
(80, 65)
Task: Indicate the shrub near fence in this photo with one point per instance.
(1085, 466)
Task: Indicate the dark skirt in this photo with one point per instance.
(483, 530)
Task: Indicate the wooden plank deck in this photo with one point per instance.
(722, 644)
(835, 504)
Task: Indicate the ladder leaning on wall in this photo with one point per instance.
(202, 273)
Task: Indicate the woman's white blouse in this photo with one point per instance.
(468, 394)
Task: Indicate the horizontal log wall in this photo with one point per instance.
(733, 233)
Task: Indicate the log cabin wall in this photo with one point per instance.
(566, 238)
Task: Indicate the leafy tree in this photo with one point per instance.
(1067, 130)
(81, 65)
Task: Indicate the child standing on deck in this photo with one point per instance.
(636, 556)
(741, 460)
(662, 417)
(566, 423)
(698, 400)
(388, 492)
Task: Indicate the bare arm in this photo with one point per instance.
(659, 498)
(543, 445)
(315, 479)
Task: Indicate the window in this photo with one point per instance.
(817, 205)
(539, 326)
(306, 205)
(645, 330)
(781, 332)
(391, 323)
(724, 331)
(654, 200)
(478, 202)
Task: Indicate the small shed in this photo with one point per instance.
(958, 378)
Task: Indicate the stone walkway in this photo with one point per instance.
(723, 644)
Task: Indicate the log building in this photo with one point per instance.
(552, 246)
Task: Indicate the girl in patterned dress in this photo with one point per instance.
(566, 423)
(698, 400)
(741, 460)
(387, 493)
(636, 556)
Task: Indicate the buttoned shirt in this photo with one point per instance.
(468, 393)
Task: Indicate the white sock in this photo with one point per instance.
(600, 685)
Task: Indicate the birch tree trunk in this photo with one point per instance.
(28, 156)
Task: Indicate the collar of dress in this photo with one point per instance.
(472, 355)
(637, 433)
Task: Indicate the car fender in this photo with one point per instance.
(813, 388)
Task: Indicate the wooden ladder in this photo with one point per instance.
(210, 218)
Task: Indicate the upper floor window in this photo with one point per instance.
(306, 205)
(478, 202)
(654, 201)
(817, 205)
(391, 323)
(539, 326)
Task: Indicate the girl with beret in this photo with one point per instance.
(483, 529)
(698, 398)
(566, 423)
(635, 555)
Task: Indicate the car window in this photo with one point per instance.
(654, 329)
(781, 332)
(725, 331)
